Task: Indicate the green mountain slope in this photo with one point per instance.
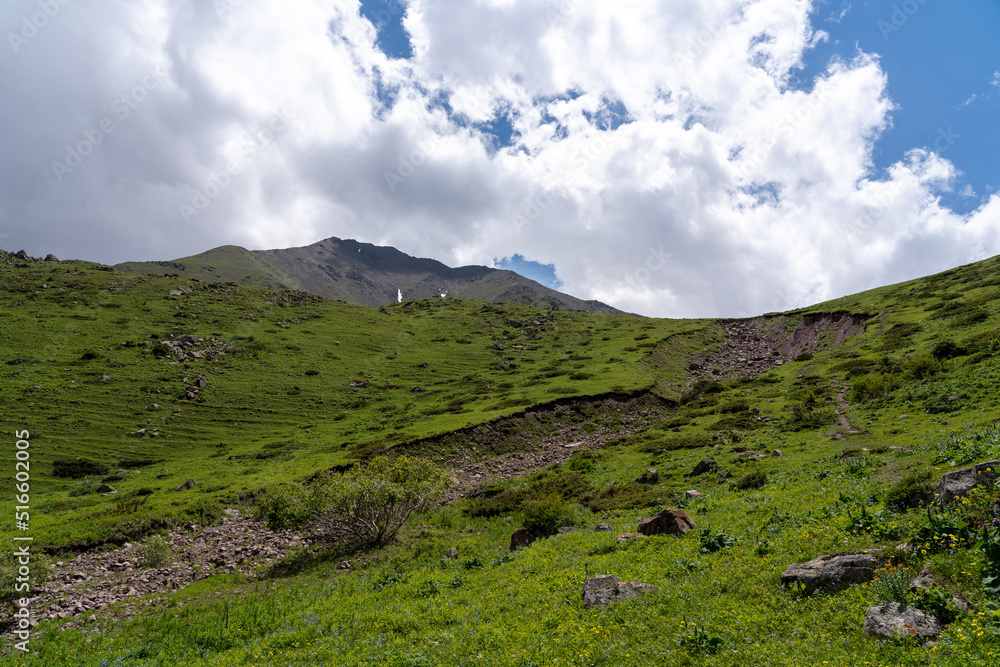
(364, 274)
(608, 414)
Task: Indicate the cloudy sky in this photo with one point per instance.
(681, 158)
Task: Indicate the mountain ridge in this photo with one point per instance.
(364, 274)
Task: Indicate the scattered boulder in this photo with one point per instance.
(190, 484)
(891, 619)
(627, 537)
(604, 589)
(776, 453)
(723, 476)
(453, 552)
(344, 565)
(668, 522)
(602, 528)
(834, 572)
(106, 488)
(692, 494)
(51, 258)
(521, 538)
(417, 390)
(958, 484)
(748, 456)
(704, 466)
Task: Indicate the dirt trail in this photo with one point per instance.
(845, 423)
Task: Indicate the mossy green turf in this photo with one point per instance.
(526, 609)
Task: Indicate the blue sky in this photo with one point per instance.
(943, 65)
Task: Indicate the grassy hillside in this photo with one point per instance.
(914, 389)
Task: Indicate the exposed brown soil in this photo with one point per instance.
(757, 345)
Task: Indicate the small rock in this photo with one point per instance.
(668, 522)
(604, 589)
(106, 488)
(627, 537)
(777, 453)
(704, 466)
(344, 565)
(891, 619)
(958, 484)
(834, 572)
(521, 538)
(692, 494)
(453, 552)
(602, 528)
(190, 484)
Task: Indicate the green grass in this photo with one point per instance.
(282, 408)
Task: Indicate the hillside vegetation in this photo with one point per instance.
(827, 425)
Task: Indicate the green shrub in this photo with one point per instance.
(281, 506)
(922, 366)
(871, 386)
(947, 349)
(77, 468)
(710, 542)
(754, 479)
(544, 514)
(892, 584)
(915, 489)
(367, 507)
(155, 552)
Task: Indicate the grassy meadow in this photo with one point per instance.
(307, 383)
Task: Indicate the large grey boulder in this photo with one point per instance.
(604, 589)
(958, 484)
(891, 619)
(832, 573)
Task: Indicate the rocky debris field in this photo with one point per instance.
(757, 345)
(93, 581)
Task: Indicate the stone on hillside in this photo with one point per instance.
(891, 619)
(22, 254)
(521, 538)
(604, 589)
(747, 456)
(121, 473)
(723, 476)
(925, 579)
(51, 258)
(602, 528)
(958, 484)
(668, 522)
(627, 537)
(453, 553)
(106, 488)
(190, 484)
(417, 390)
(777, 453)
(499, 346)
(691, 494)
(832, 573)
(704, 466)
